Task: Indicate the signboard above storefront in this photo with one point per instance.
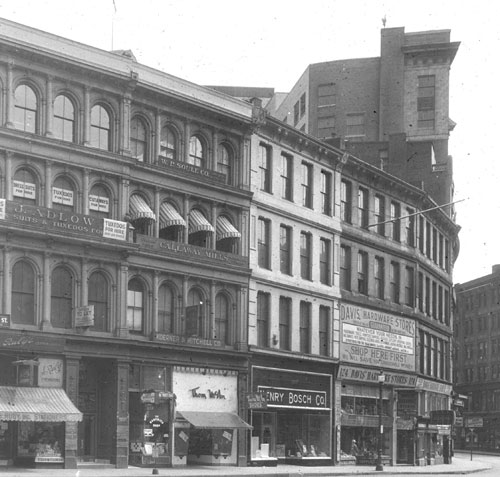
(256, 401)
(188, 340)
(190, 169)
(294, 398)
(354, 373)
(376, 338)
(4, 321)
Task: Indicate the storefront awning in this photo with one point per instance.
(169, 216)
(36, 404)
(225, 229)
(139, 209)
(198, 222)
(214, 420)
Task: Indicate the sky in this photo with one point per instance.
(269, 43)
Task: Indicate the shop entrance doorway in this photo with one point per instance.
(87, 438)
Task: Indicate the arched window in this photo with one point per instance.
(195, 313)
(168, 143)
(165, 309)
(24, 187)
(138, 139)
(197, 152)
(64, 119)
(222, 317)
(99, 296)
(99, 201)
(171, 223)
(25, 109)
(61, 298)
(63, 194)
(225, 163)
(100, 128)
(23, 293)
(135, 305)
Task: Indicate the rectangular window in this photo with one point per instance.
(428, 296)
(440, 303)
(324, 261)
(345, 201)
(447, 307)
(304, 331)
(420, 291)
(363, 207)
(394, 282)
(428, 239)
(285, 315)
(446, 255)
(363, 273)
(345, 267)
(355, 124)
(441, 250)
(135, 309)
(263, 240)
(302, 105)
(380, 214)
(324, 322)
(426, 101)
(305, 255)
(421, 234)
(422, 351)
(307, 192)
(285, 249)
(410, 228)
(286, 176)
(434, 245)
(263, 313)
(326, 95)
(395, 221)
(434, 300)
(409, 287)
(326, 193)
(378, 274)
(296, 113)
(265, 167)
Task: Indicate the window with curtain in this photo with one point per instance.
(285, 318)
(25, 187)
(345, 267)
(324, 327)
(222, 316)
(225, 162)
(98, 296)
(168, 143)
(197, 152)
(135, 305)
(285, 249)
(166, 308)
(305, 324)
(326, 193)
(345, 201)
(99, 201)
(64, 119)
(324, 261)
(305, 255)
(307, 185)
(138, 139)
(263, 243)
(265, 164)
(61, 298)
(263, 314)
(63, 194)
(25, 109)
(23, 293)
(286, 176)
(100, 128)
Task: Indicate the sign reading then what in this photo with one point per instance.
(294, 398)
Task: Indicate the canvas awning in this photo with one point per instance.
(198, 222)
(36, 404)
(214, 420)
(226, 229)
(139, 209)
(169, 216)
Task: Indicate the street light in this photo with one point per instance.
(381, 381)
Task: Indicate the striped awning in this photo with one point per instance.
(214, 420)
(169, 216)
(225, 229)
(139, 209)
(198, 222)
(36, 405)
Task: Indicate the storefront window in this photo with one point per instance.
(41, 441)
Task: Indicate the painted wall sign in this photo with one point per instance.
(191, 169)
(376, 338)
(353, 373)
(294, 398)
(12, 340)
(433, 386)
(188, 340)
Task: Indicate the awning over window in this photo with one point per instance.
(226, 229)
(139, 209)
(214, 420)
(198, 222)
(36, 404)
(169, 216)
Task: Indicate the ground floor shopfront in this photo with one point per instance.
(294, 426)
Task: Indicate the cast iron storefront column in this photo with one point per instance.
(71, 428)
(121, 440)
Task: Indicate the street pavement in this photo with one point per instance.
(461, 464)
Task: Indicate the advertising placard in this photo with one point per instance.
(376, 338)
(84, 316)
(115, 229)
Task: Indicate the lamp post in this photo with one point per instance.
(381, 381)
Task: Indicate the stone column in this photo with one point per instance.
(8, 175)
(157, 137)
(71, 428)
(213, 219)
(85, 198)
(154, 321)
(186, 218)
(243, 412)
(121, 438)
(215, 150)
(187, 137)
(86, 116)
(7, 280)
(85, 282)
(49, 107)
(210, 332)
(125, 126)
(48, 184)
(9, 97)
(46, 292)
(121, 311)
(156, 225)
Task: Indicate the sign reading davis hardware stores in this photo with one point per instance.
(43, 218)
(376, 338)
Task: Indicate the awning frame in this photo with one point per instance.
(199, 223)
(214, 420)
(225, 229)
(170, 217)
(139, 209)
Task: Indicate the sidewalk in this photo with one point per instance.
(461, 465)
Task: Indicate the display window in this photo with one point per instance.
(364, 406)
(42, 441)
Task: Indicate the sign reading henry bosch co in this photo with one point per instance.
(376, 338)
(294, 398)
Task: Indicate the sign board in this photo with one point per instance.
(4, 321)
(84, 316)
(376, 338)
(443, 417)
(114, 229)
(472, 422)
(256, 401)
(459, 421)
(294, 398)
(50, 373)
